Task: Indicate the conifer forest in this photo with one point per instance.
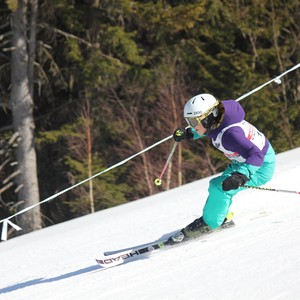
(86, 84)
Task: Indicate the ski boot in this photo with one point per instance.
(197, 228)
(193, 230)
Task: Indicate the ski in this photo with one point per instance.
(114, 258)
(118, 258)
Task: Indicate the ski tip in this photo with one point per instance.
(110, 262)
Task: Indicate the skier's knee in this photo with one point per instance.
(215, 184)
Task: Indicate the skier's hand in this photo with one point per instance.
(234, 181)
(181, 134)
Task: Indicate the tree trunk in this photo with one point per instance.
(88, 124)
(23, 122)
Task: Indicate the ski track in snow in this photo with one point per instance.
(257, 259)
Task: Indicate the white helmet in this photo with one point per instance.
(201, 108)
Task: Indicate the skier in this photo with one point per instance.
(251, 154)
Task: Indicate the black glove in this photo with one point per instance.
(181, 134)
(234, 181)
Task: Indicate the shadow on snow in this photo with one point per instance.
(41, 280)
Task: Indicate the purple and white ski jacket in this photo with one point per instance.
(239, 140)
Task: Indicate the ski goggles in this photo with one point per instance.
(203, 119)
(193, 122)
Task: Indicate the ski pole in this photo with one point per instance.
(270, 189)
(158, 180)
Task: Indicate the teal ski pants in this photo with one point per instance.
(218, 202)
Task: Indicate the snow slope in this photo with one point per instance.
(257, 259)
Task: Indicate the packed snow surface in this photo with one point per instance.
(257, 259)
